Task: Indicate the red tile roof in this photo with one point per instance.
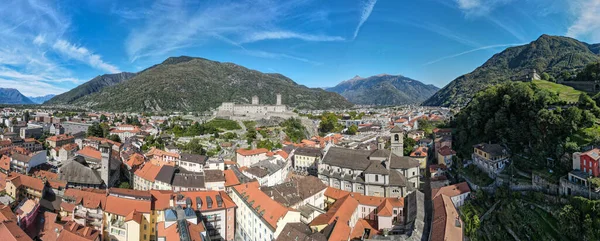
(59, 138)
(75, 232)
(148, 171)
(444, 219)
(26, 181)
(446, 151)
(245, 152)
(10, 231)
(230, 178)
(161, 199)
(89, 198)
(273, 210)
(124, 206)
(136, 160)
(452, 190)
(227, 202)
(91, 152)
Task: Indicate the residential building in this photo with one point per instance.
(442, 141)
(26, 212)
(164, 156)
(490, 158)
(56, 141)
(215, 209)
(307, 159)
(74, 231)
(458, 193)
(9, 230)
(127, 216)
(446, 224)
(181, 224)
(125, 131)
(420, 154)
(246, 157)
(20, 186)
(85, 206)
(57, 129)
(192, 162)
(303, 194)
(445, 155)
(23, 163)
(32, 145)
(587, 162)
(31, 132)
(258, 217)
(268, 172)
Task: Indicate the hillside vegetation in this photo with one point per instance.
(552, 55)
(196, 84)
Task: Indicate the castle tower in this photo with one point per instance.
(106, 154)
(255, 100)
(397, 141)
(278, 99)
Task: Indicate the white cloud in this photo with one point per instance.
(468, 4)
(84, 55)
(479, 7)
(39, 40)
(587, 20)
(28, 61)
(264, 35)
(366, 12)
(471, 51)
(171, 25)
(271, 55)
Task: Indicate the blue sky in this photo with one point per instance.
(48, 47)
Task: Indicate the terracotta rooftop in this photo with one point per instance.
(59, 138)
(10, 231)
(124, 206)
(148, 172)
(253, 196)
(91, 152)
(89, 198)
(75, 232)
(161, 199)
(452, 190)
(445, 219)
(22, 180)
(245, 152)
(230, 178)
(446, 151)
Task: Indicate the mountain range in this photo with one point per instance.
(193, 84)
(40, 99)
(94, 85)
(13, 97)
(548, 54)
(384, 89)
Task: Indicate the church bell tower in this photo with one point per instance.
(397, 141)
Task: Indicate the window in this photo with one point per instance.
(145, 226)
(376, 178)
(395, 212)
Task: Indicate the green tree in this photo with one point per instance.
(103, 118)
(95, 130)
(125, 185)
(329, 123)
(114, 137)
(409, 146)
(194, 147)
(545, 76)
(26, 116)
(352, 130)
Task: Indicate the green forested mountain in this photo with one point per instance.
(384, 90)
(95, 85)
(196, 84)
(547, 54)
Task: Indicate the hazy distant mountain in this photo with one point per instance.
(40, 99)
(197, 84)
(550, 54)
(384, 90)
(13, 96)
(90, 87)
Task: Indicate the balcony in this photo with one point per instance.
(94, 215)
(118, 224)
(81, 214)
(118, 231)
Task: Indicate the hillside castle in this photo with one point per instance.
(255, 109)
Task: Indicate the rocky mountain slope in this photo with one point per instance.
(40, 99)
(384, 90)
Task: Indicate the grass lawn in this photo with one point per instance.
(224, 124)
(566, 93)
(477, 176)
(586, 136)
